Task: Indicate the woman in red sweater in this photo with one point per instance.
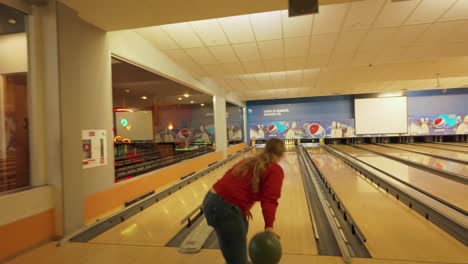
(227, 205)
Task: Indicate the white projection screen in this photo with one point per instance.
(135, 125)
(381, 115)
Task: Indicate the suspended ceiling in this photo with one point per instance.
(348, 48)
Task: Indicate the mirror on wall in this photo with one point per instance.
(157, 121)
(14, 134)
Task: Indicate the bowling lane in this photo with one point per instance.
(434, 151)
(429, 161)
(156, 225)
(393, 231)
(293, 222)
(450, 191)
(444, 147)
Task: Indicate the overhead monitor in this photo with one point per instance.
(381, 115)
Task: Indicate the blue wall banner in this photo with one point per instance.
(443, 124)
(302, 129)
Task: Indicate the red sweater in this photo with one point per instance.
(238, 191)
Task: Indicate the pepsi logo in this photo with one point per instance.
(315, 130)
(272, 128)
(439, 122)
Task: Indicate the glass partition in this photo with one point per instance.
(14, 135)
(157, 121)
(235, 123)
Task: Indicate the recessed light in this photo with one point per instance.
(180, 98)
(12, 21)
(191, 102)
(186, 95)
(144, 97)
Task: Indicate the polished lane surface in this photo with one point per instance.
(438, 152)
(393, 230)
(445, 189)
(440, 164)
(156, 225)
(444, 147)
(293, 222)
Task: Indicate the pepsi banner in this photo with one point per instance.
(444, 124)
(302, 129)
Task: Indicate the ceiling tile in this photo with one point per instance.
(364, 58)
(362, 14)
(429, 11)
(201, 55)
(224, 54)
(298, 26)
(278, 79)
(406, 35)
(264, 80)
(213, 69)
(322, 44)
(158, 37)
(376, 39)
(318, 61)
(235, 83)
(210, 32)
(274, 65)
(253, 66)
(267, 26)
(192, 67)
(237, 29)
(293, 78)
(296, 47)
(178, 54)
(183, 34)
(249, 81)
(349, 41)
(296, 63)
(233, 68)
(460, 35)
(271, 49)
(457, 11)
(341, 59)
(310, 77)
(247, 51)
(330, 18)
(395, 13)
(438, 32)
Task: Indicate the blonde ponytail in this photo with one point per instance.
(273, 148)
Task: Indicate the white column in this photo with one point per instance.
(219, 107)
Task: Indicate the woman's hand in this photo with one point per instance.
(269, 229)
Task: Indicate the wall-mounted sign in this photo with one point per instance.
(94, 148)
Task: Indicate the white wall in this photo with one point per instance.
(13, 53)
(20, 205)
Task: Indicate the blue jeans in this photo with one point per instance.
(230, 227)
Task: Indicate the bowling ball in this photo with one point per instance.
(272, 128)
(315, 130)
(265, 248)
(439, 122)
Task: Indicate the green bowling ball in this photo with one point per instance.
(265, 248)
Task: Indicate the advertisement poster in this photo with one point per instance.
(302, 129)
(94, 148)
(443, 124)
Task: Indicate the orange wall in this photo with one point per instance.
(26, 233)
(235, 148)
(105, 202)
